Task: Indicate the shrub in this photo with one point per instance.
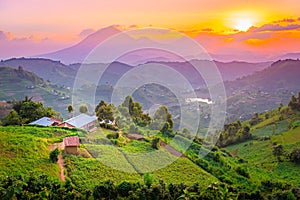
(294, 156)
(148, 179)
(124, 188)
(113, 135)
(105, 191)
(242, 171)
(54, 155)
(155, 143)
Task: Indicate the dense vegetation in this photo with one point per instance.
(26, 111)
(260, 159)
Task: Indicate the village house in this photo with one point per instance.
(46, 121)
(82, 121)
(71, 145)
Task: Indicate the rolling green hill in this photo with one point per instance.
(18, 83)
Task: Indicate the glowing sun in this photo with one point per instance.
(243, 24)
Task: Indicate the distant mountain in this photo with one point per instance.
(78, 52)
(263, 90)
(53, 71)
(288, 56)
(281, 75)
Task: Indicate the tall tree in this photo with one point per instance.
(83, 108)
(70, 108)
(12, 119)
(104, 111)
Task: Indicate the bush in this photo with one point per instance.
(294, 156)
(54, 155)
(124, 188)
(105, 191)
(113, 135)
(148, 179)
(109, 126)
(242, 171)
(155, 143)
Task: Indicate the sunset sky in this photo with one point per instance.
(266, 27)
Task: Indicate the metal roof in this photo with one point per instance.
(81, 120)
(44, 121)
(71, 141)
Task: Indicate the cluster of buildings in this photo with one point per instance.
(82, 121)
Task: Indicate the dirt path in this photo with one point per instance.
(170, 149)
(60, 161)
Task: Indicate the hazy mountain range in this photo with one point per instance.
(79, 52)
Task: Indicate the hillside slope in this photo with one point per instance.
(18, 83)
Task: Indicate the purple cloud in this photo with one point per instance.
(274, 27)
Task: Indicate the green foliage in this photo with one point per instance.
(278, 152)
(104, 112)
(162, 120)
(83, 108)
(11, 119)
(70, 108)
(148, 180)
(26, 111)
(54, 155)
(105, 190)
(294, 103)
(124, 188)
(233, 133)
(295, 155)
(155, 143)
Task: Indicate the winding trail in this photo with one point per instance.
(171, 150)
(60, 160)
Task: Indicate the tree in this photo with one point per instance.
(106, 190)
(128, 103)
(278, 152)
(295, 155)
(124, 188)
(70, 108)
(294, 103)
(104, 111)
(162, 120)
(155, 143)
(83, 108)
(133, 112)
(29, 111)
(12, 119)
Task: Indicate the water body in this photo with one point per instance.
(190, 100)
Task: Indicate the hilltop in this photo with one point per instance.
(16, 83)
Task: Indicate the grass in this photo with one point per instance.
(288, 137)
(183, 170)
(110, 155)
(22, 152)
(281, 126)
(137, 147)
(86, 173)
(25, 149)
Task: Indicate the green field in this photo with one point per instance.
(118, 163)
(25, 149)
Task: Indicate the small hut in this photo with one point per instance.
(71, 144)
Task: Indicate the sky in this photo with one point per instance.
(265, 27)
